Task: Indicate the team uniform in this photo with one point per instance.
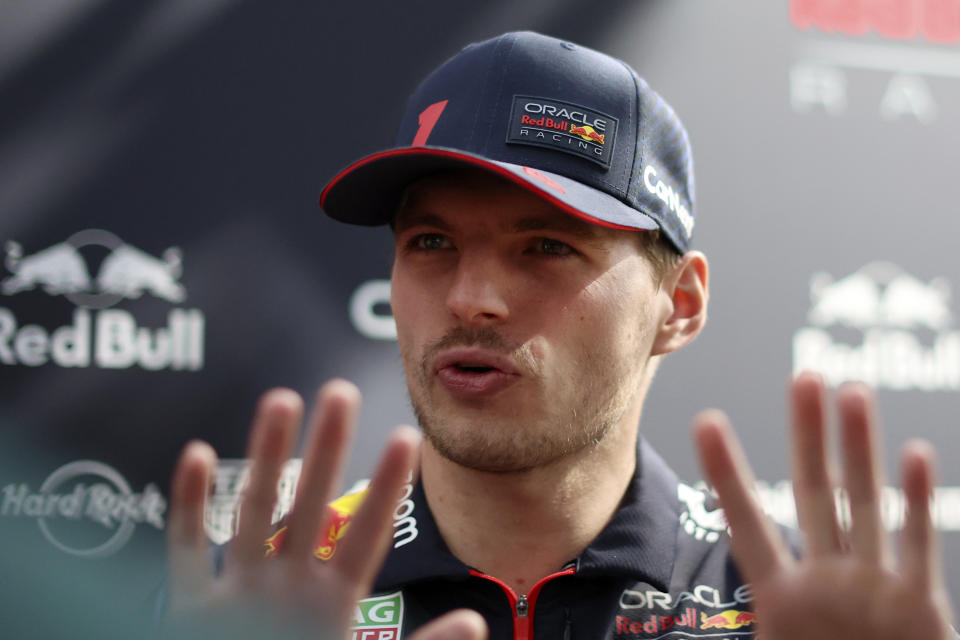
(661, 568)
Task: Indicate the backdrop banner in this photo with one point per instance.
(163, 260)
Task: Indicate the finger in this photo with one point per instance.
(366, 544)
(189, 570)
(812, 487)
(331, 426)
(461, 624)
(757, 546)
(863, 477)
(271, 442)
(919, 546)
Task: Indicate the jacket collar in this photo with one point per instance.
(639, 541)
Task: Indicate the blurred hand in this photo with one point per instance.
(292, 595)
(848, 586)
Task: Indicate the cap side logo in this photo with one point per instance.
(563, 126)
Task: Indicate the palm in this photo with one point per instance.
(290, 595)
(844, 599)
(848, 585)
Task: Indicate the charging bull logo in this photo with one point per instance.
(58, 269)
(587, 133)
(897, 314)
(127, 272)
(729, 619)
(339, 514)
(880, 294)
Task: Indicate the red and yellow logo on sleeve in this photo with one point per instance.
(339, 514)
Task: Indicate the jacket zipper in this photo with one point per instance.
(523, 605)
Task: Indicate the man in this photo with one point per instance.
(541, 197)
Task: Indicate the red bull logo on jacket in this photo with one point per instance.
(339, 514)
(905, 323)
(729, 619)
(687, 619)
(99, 336)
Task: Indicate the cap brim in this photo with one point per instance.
(367, 191)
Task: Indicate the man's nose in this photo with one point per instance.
(477, 295)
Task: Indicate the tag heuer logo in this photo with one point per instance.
(378, 618)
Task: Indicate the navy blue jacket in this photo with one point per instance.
(661, 568)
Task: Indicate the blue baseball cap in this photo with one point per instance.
(575, 126)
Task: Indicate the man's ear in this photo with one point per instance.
(686, 289)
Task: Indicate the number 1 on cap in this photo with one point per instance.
(427, 120)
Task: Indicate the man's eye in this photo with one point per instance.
(430, 242)
(551, 247)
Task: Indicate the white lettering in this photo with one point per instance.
(70, 346)
(887, 358)
(815, 85)
(403, 510)
(669, 197)
(154, 350)
(8, 327)
(908, 95)
(363, 315)
(116, 344)
(13, 497)
(31, 345)
(701, 594)
(382, 612)
(404, 523)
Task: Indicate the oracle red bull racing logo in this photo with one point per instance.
(905, 323)
(698, 613)
(99, 336)
(562, 126)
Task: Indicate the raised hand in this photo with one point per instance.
(848, 585)
(292, 595)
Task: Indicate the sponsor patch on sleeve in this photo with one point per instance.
(563, 126)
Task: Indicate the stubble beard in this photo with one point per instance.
(515, 444)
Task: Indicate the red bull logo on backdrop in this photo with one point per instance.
(904, 326)
(99, 336)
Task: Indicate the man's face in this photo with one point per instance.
(524, 331)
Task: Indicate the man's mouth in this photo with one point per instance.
(473, 373)
(473, 368)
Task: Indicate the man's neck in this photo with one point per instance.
(521, 527)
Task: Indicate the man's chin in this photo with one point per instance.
(486, 459)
